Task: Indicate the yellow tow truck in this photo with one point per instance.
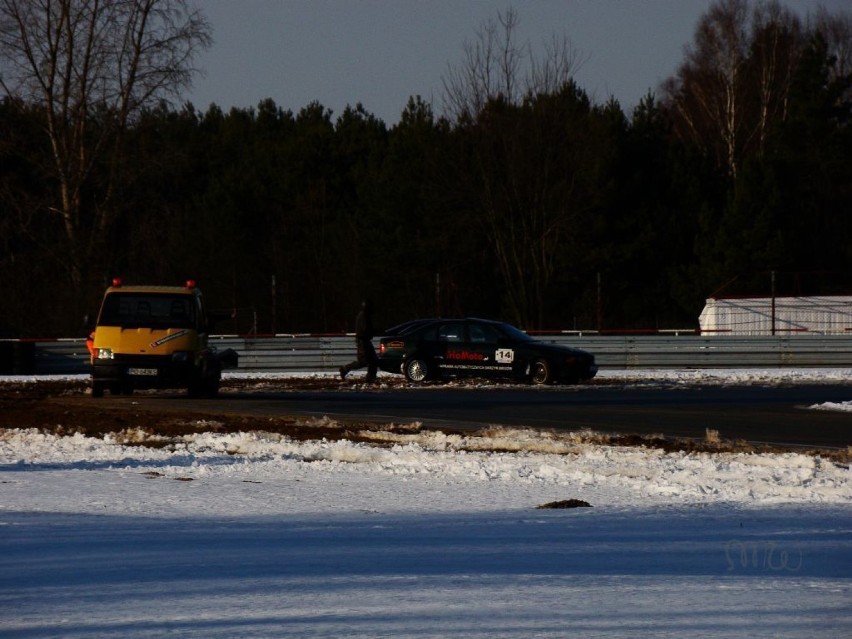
(155, 337)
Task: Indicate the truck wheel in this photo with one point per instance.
(97, 389)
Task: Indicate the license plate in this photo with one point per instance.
(141, 371)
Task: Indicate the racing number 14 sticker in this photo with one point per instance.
(504, 356)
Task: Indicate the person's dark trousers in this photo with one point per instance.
(366, 355)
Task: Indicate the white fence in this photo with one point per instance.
(289, 353)
(828, 315)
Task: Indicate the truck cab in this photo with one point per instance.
(155, 337)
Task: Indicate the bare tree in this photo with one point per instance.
(92, 66)
(777, 41)
(736, 78)
(490, 68)
(836, 30)
(497, 66)
(708, 92)
(513, 109)
(550, 73)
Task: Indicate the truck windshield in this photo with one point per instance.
(148, 310)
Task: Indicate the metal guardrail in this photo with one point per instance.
(696, 351)
(306, 353)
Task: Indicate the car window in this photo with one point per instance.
(405, 327)
(515, 333)
(428, 334)
(451, 332)
(483, 334)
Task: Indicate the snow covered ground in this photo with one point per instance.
(254, 535)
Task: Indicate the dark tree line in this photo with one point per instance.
(527, 201)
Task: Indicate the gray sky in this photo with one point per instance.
(380, 52)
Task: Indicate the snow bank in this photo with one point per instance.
(424, 535)
(458, 473)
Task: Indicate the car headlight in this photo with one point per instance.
(103, 353)
(181, 356)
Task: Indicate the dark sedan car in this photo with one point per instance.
(424, 349)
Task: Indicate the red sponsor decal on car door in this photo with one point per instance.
(465, 356)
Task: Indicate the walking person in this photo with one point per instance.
(366, 354)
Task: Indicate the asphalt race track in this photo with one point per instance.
(777, 415)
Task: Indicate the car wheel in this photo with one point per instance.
(540, 372)
(416, 370)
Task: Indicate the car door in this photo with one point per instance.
(489, 356)
(451, 348)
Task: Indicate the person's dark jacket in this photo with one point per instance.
(364, 324)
